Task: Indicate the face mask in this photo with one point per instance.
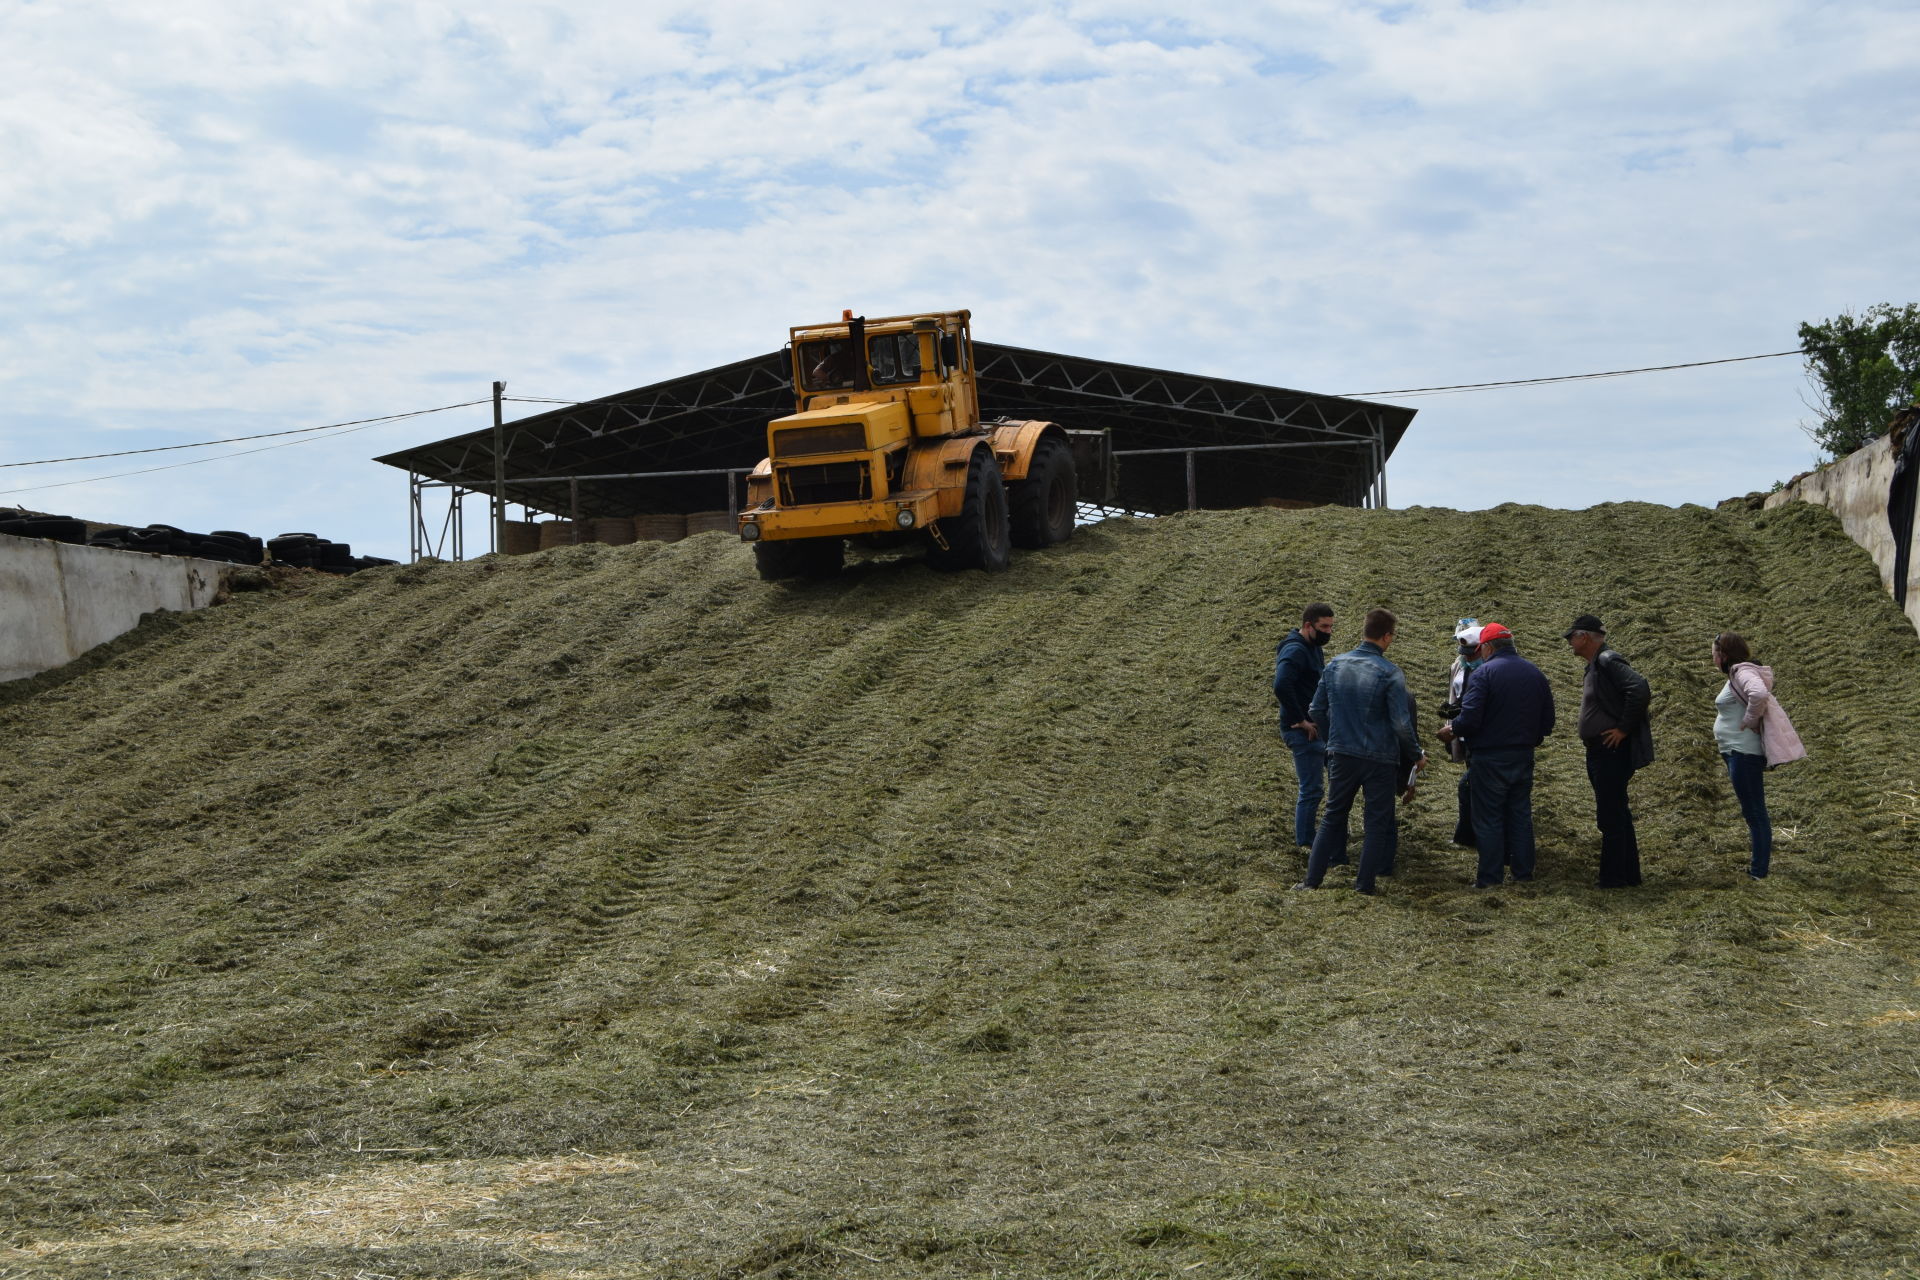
(1468, 664)
(1316, 639)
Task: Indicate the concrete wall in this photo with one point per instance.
(1855, 489)
(58, 600)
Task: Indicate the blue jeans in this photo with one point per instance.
(1347, 776)
(1749, 775)
(1501, 785)
(1310, 767)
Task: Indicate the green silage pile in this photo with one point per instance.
(608, 912)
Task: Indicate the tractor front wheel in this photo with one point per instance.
(981, 536)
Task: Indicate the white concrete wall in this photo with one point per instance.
(1855, 489)
(58, 600)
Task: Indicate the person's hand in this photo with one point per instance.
(1309, 728)
(1406, 797)
(1420, 765)
(1446, 731)
(1613, 737)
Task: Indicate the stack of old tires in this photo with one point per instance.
(310, 551)
(59, 528)
(229, 545)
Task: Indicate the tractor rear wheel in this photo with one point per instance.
(799, 558)
(1044, 503)
(981, 536)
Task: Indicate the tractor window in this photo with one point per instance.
(826, 364)
(895, 358)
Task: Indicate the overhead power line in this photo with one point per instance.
(334, 429)
(1453, 389)
(1566, 377)
(264, 435)
(358, 424)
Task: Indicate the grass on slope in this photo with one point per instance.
(608, 912)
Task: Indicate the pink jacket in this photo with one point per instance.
(1753, 685)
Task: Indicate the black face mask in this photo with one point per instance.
(1315, 638)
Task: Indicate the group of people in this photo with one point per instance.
(1352, 726)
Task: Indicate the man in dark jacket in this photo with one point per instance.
(1505, 712)
(1296, 674)
(1614, 725)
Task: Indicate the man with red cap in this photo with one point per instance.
(1506, 711)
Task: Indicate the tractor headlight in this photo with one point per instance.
(749, 531)
(904, 518)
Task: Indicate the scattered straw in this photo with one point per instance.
(1892, 1016)
(1898, 1165)
(1873, 1112)
(1812, 938)
(381, 1207)
(1905, 805)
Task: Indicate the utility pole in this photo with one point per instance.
(499, 470)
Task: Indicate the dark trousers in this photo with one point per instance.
(1502, 792)
(1463, 825)
(1749, 776)
(1610, 769)
(1310, 767)
(1348, 776)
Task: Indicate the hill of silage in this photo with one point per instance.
(609, 912)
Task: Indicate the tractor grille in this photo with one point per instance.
(825, 482)
(838, 437)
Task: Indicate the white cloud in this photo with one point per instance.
(273, 218)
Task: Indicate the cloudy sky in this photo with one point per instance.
(224, 219)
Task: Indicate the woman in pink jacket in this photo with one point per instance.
(1753, 734)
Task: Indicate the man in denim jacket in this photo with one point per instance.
(1362, 713)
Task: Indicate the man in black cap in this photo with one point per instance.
(1613, 723)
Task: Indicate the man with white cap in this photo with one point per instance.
(1466, 634)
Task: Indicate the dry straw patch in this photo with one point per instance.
(1893, 1017)
(1896, 1165)
(1812, 939)
(379, 1208)
(1875, 1112)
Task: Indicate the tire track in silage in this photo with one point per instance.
(930, 902)
(715, 833)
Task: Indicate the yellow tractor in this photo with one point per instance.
(886, 446)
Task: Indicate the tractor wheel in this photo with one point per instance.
(981, 536)
(1044, 503)
(799, 558)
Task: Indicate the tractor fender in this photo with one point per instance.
(942, 468)
(1014, 443)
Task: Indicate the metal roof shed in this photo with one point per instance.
(1183, 440)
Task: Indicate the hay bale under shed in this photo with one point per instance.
(519, 537)
(665, 526)
(560, 533)
(615, 531)
(710, 522)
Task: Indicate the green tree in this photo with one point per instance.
(1863, 369)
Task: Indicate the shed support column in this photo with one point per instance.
(414, 516)
(1193, 487)
(1380, 438)
(498, 507)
